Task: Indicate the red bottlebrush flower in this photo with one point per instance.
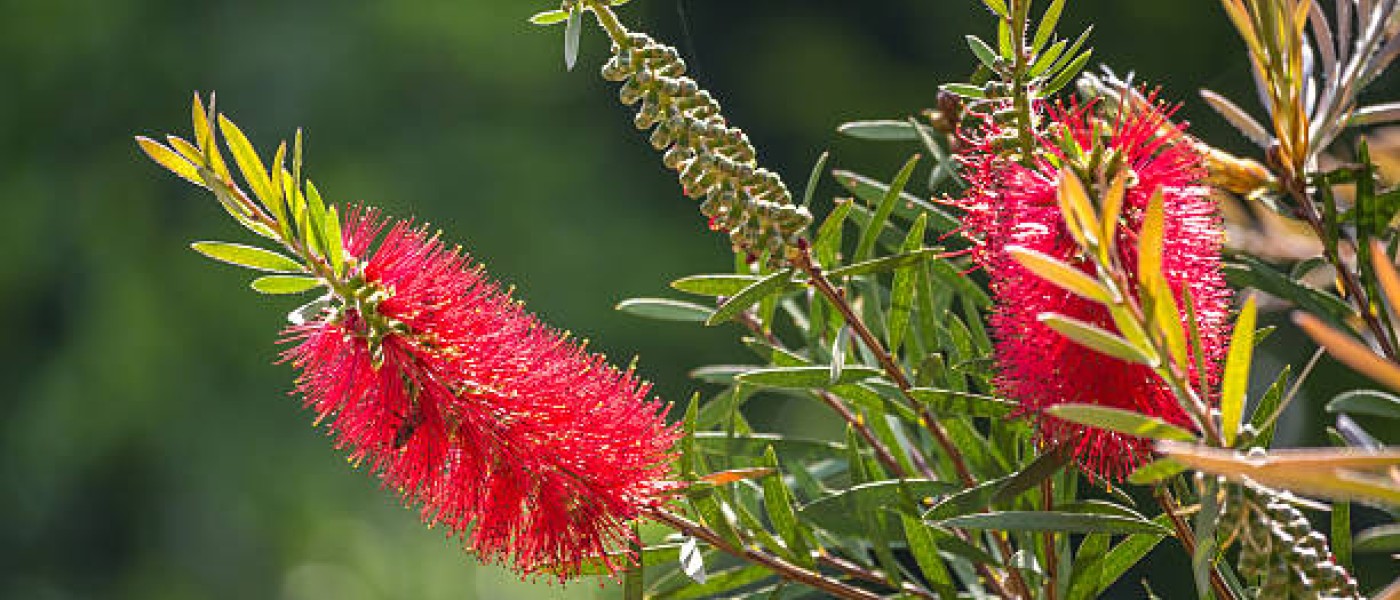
(497, 427)
(1011, 204)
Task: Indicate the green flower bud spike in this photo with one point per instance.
(715, 161)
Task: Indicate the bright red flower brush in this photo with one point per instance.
(1009, 204)
(497, 427)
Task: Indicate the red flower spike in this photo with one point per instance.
(1011, 204)
(494, 425)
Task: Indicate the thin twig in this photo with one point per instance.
(1187, 537)
(780, 567)
(1047, 501)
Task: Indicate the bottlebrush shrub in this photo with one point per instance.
(960, 471)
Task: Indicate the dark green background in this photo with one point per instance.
(148, 447)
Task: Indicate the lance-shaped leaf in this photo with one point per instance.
(866, 246)
(549, 17)
(834, 512)
(1112, 210)
(1119, 420)
(572, 29)
(778, 500)
(1057, 272)
(1156, 471)
(1065, 522)
(1385, 538)
(1366, 402)
(1238, 117)
(902, 288)
(1077, 210)
(248, 256)
(285, 284)
(1096, 338)
(886, 263)
(1235, 381)
(172, 161)
(805, 377)
(721, 284)
(248, 162)
(665, 309)
(880, 130)
(952, 402)
(772, 284)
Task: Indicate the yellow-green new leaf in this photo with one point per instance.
(1112, 209)
(169, 159)
(1077, 210)
(1095, 338)
(1236, 378)
(285, 284)
(248, 162)
(248, 256)
(1121, 421)
(1061, 274)
(1150, 241)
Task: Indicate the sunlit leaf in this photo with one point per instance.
(248, 256)
(1054, 271)
(758, 290)
(169, 159)
(285, 284)
(1366, 402)
(1235, 381)
(1119, 420)
(804, 377)
(1093, 337)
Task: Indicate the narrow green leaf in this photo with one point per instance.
(285, 284)
(885, 263)
(880, 130)
(549, 17)
(335, 245)
(315, 219)
(248, 162)
(804, 377)
(1055, 521)
(966, 501)
(902, 287)
(1067, 74)
(665, 309)
(1366, 402)
(687, 442)
(814, 178)
(996, 6)
(866, 247)
(1341, 533)
(1235, 381)
(1156, 471)
(778, 500)
(1095, 338)
(727, 284)
(1255, 273)
(965, 90)
(1057, 272)
(834, 512)
(923, 546)
(1266, 408)
(1121, 421)
(1047, 25)
(1385, 538)
(172, 161)
(1043, 467)
(909, 207)
(248, 256)
(982, 51)
(572, 29)
(827, 245)
(949, 402)
(758, 290)
(1117, 561)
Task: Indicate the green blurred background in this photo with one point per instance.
(148, 445)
